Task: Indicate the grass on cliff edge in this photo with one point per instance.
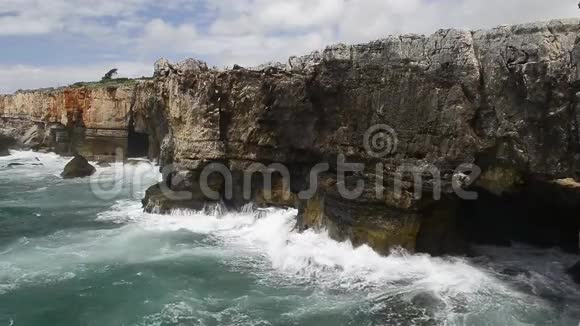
(117, 82)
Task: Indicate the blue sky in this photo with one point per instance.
(57, 42)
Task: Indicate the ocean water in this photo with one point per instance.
(71, 254)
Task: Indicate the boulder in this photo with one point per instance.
(5, 144)
(79, 167)
(575, 272)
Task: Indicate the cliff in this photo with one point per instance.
(503, 99)
(91, 120)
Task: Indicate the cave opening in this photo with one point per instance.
(543, 214)
(137, 143)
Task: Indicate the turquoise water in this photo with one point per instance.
(73, 255)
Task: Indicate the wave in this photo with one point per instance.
(514, 286)
(263, 243)
(456, 288)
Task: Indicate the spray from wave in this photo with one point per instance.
(518, 286)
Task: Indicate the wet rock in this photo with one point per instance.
(78, 167)
(11, 165)
(5, 144)
(159, 199)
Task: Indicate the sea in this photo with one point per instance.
(83, 252)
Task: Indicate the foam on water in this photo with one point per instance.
(457, 286)
(458, 291)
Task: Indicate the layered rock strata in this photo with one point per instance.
(92, 121)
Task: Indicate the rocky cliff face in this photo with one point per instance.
(91, 120)
(503, 99)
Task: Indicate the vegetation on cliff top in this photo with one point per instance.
(117, 82)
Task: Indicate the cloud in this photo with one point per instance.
(224, 32)
(225, 49)
(270, 16)
(66, 16)
(160, 34)
(369, 19)
(23, 25)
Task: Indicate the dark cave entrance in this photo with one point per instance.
(543, 214)
(137, 143)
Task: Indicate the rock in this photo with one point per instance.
(502, 99)
(5, 144)
(33, 138)
(499, 181)
(271, 66)
(78, 167)
(11, 165)
(190, 66)
(162, 68)
(161, 200)
(575, 272)
(466, 98)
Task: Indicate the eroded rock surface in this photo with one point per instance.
(5, 144)
(78, 167)
(504, 99)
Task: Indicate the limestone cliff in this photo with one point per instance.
(91, 120)
(504, 99)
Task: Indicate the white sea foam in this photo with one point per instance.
(265, 242)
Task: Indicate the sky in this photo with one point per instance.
(47, 43)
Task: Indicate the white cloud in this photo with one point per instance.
(274, 29)
(369, 19)
(76, 16)
(277, 15)
(246, 32)
(159, 34)
(22, 25)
